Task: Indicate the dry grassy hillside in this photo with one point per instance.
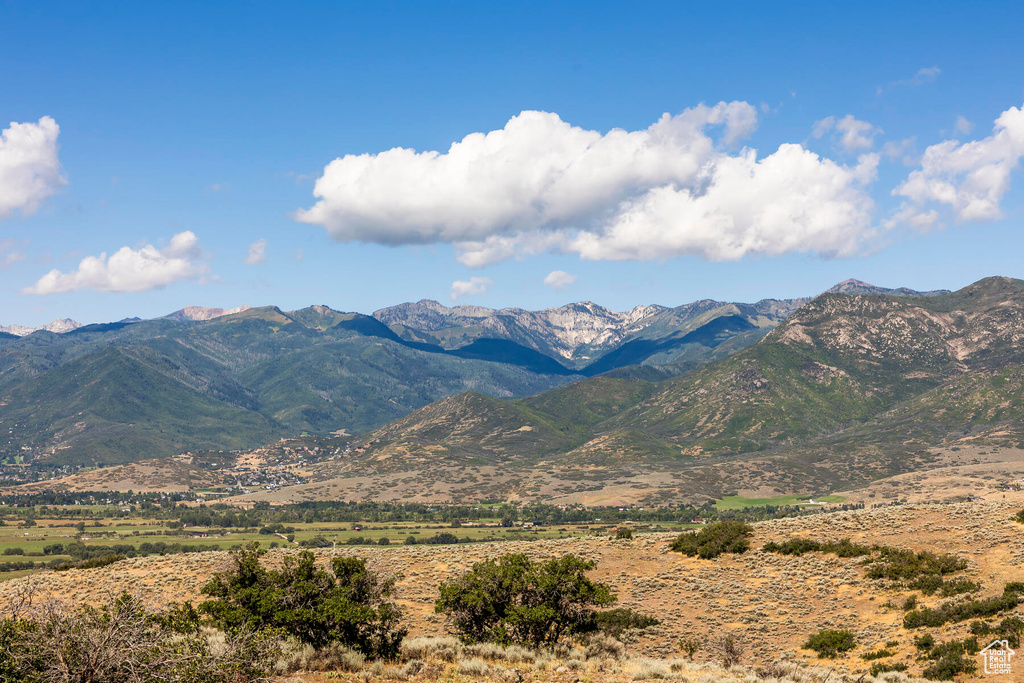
(771, 602)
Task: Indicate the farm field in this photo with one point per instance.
(36, 543)
(740, 503)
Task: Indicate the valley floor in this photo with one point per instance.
(771, 602)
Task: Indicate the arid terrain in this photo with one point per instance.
(771, 602)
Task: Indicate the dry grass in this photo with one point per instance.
(770, 602)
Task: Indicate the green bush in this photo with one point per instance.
(1019, 517)
(514, 600)
(1009, 629)
(93, 563)
(898, 564)
(879, 668)
(951, 659)
(350, 604)
(961, 610)
(799, 546)
(624, 534)
(829, 642)
(615, 622)
(714, 539)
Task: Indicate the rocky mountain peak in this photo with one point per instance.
(203, 313)
(59, 326)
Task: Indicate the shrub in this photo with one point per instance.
(515, 600)
(897, 564)
(333, 657)
(349, 605)
(960, 610)
(728, 649)
(799, 546)
(951, 659)
(879, 668)
(624, 534)
(830, 642)
(924, 643)
(473, 667)
(93, 563)
(1009, 629)
(446, 649)
(714, 539)
(690, 646)
(383, 540)
(442, 538)
(1019, 517)
(880, 653)
(122, 643)
(616, 621)
(603, 646)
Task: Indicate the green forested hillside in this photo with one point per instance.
(856, 369)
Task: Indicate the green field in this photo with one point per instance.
(134, 531)
(739, 502)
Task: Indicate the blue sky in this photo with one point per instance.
(215, 121)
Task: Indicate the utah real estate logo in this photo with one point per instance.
(997, 657)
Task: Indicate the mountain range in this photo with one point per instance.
(849, 388)
(215, 379)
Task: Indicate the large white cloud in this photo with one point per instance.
(542, 184)
(969, 179)
(129, 270)
(29, 168)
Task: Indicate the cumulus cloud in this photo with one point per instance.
(851, 134)
(559, 279)
(257, 253)
(29, 168)
(474, 285)
(968, 179)
(129, 270)
(963, 125)
(541, 184)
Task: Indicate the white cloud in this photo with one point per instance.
(851, 134)
(11, 252)
(29, 168)
(969, 179)
(540, 184)
(901, 149)
(257, 253)
(129, 270)
(925, 75)
(559, 279)
(963, 125)
(474, 285)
